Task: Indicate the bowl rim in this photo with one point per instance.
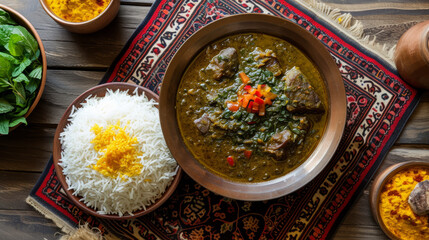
(377, 185)
(56, 155)
(24, 21)
(241, 190)
(75, 24)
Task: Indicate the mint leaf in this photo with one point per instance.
(22, 66)
(5, 67)
(17, 121)
(10, 58)
(36, 56)
(21, 42)
(21, 78)
(5, 106)
(36, 73)
(16, 45)
(19, 92)
(32, 86)
(5, 18)
(20, 111)
(4, 125)
(5, 31)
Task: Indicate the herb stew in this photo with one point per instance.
(251, 107)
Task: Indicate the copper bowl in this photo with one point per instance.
(90, 26)
(378, 184)
(21, 20)
(100, 91)
(311, 47)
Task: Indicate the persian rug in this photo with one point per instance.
(379, 103)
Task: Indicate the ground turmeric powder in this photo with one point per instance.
(394, 209)
(77, 10)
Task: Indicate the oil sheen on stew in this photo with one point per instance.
(251, 107)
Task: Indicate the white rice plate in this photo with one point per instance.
(105, 194)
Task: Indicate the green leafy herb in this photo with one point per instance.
(4, 125)
(20, 72)
(17, 121)
(5, 106)
(5, 31)
(5, 18)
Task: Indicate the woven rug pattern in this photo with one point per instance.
(378, 105)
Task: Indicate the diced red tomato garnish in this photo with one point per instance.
(247, 153)
(230, 161)
(255, 107)
(259, 100)
(232, 106)
(250, 106)
(246, 99)
(253, 99)
(240, 99)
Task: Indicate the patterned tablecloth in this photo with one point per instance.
(378, 105)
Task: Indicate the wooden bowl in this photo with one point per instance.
(90, 26)
(311, 47)
(100, 91)
(21, 20)
(377, 186)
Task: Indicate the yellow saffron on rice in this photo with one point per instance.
(77, 10)
(120, 154)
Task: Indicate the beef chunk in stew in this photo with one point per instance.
(280, 140)
(223, 65)
(268, 60)
(203, 123)
(284, 140)
(302, 97)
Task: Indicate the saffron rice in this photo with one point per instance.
(121, 193)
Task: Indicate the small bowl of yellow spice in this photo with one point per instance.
(82, 16)
(399, 200)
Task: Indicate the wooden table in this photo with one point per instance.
(78, 62)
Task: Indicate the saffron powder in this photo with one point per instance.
(395, 210)
(77, 10)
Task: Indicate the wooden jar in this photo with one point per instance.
(412, 55)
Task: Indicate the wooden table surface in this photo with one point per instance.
(78, 62)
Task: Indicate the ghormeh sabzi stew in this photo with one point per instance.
(251, 107)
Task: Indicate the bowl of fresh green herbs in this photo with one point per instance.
(22, 69)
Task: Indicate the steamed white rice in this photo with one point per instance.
(116, 195)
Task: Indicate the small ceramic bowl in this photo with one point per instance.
(21, 20)
(100, 91)
(382, 178)
(90, 26)
(412, 55)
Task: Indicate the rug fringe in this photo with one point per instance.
(352, 26)
(65, 227)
